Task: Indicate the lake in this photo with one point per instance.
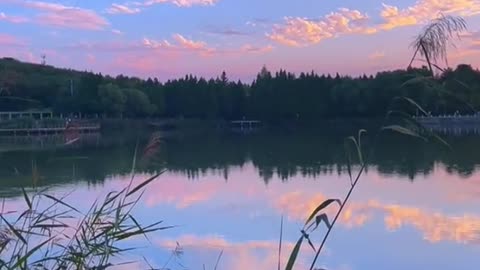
(417, 206)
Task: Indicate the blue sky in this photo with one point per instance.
(170, 38)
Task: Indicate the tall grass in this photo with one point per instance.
(53, 234)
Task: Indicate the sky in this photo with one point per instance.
(170, 38)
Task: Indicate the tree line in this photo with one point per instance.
(271, 96)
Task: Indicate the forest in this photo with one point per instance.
(279, 95)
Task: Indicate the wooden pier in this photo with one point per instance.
(28, 126)
(10, 143)
(451, 124)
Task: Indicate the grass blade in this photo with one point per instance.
(294, 254)
(146, 182)
(61, 202)
(322, 206)
(280, 244)
(15, 231)
(218, 260)
(25, 195)
(24, 258)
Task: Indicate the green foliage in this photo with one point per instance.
(271, 96)
(112, 98)
(137, 103)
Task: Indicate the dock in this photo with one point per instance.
(38, 126)
(245, 125)
(451, 124)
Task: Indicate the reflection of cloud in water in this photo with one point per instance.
(237, 255)
(435, 227)
(298, 200)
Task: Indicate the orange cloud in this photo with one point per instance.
(302, 31)
(190, 44)
(425, 10)
(298, 32)
(435, 227)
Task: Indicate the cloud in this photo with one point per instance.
(117, 32)
(258, 22)
(122, 9)
(376, 55)
(8, 40)
(470, 45)
(253, 49)
(178, 45)
(59, 15)
(190, 44)
(425, 10)
(137, 7)
(435, 227)
(471, 35)
(12, 19)
(182, 3)
(300, 32)
(256, 254)
(228, 32)
(91, 59)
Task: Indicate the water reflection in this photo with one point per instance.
(416, 207)
(283, 155)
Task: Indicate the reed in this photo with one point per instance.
(53, 234)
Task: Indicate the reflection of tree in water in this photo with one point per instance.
(272, 154)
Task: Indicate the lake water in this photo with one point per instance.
(416, 207)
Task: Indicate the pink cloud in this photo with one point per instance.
(299, 32)
(122, 9)
(377, 55)
(137, 7)
(12, 19)
(178, 44)
(239, 255)
(91, 59)
(182, 3)
(8, 40)
(59, 15)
